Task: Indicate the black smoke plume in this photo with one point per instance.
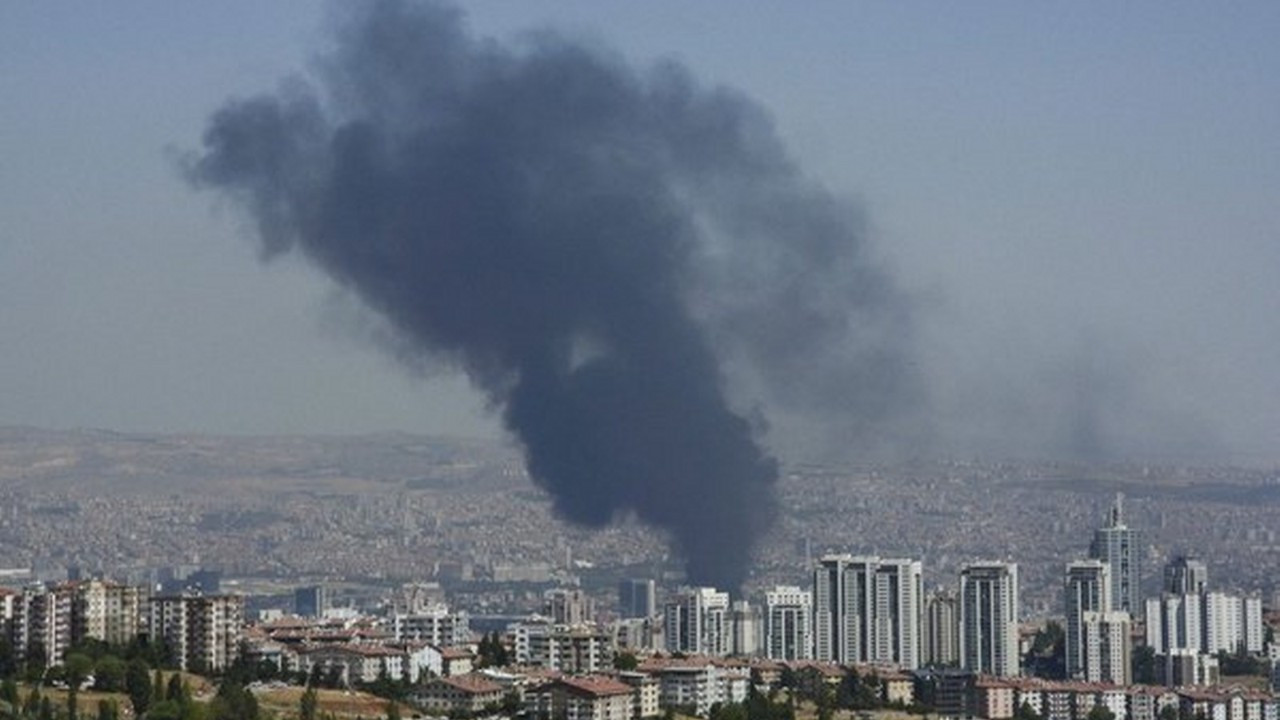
(591, 243)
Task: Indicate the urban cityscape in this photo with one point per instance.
(662, 360)
(1122, 613)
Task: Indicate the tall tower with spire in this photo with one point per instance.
(1117, 544)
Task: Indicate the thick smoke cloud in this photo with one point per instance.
(626, 263)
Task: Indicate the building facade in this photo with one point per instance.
(788, 618)
(696, 621)
(988, 619)
(867, 610)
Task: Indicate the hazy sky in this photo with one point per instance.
(1084, 198)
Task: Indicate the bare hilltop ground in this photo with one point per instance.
(399, 507)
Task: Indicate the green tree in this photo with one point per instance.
(8, 658)
(177, 689)
(165, 710)
(78, 669)
(32, 704)
(1143, 665)
(625, 661)
(308, 704)
(393, 711)
(137, 683)
(1047, 657)
(233, 702)
(9, 693)
(46, 709)
(1100, 712)
(109, 674)
(108, 710)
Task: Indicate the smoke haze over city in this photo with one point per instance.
(1067, 215)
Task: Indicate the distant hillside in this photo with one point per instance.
(135, 462)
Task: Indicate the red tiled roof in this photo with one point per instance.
(472, 684)
(596, 685)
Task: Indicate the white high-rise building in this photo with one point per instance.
(696, 621)
(1107, 647)
(1087, 589)
(867, 610)
(1251, 625)
(433, 624)
(988, 619)
(941, 629)
(203, 631)
(788, 616)
(1223, 623)
(745, 625)
(1117, 544)
(1174, 624)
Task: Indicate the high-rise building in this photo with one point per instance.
(310, 601)
(1254, 631)
(568, 606)
(745, 625)
(867, 610)
(788, 616)
(941, 629)
(1186, 576)
(203, 631)
(1174, 624)
(637, 598)
(988, 619)
(1223, 623)
(1087, 589)
(105, 611)
(41, 624)
(1107, 647)
(1117, 544)
(696, 621)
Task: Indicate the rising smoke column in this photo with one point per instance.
(587, 241)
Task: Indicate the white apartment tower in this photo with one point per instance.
(1086, 589)
(203, 631)
(41, 623)
(988, 619)
(788, 616)
(696, 621)
(1108, 648)
(867, 610)
(1174, 624)
(745, 625)
(941, 629)
(1117, 544)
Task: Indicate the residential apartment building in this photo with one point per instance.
(788, 623)
(1086, 589)
(696, 621)
(1118, 546)
(564, 648)
(941, 647)
(988, 619)
(203, 632)
(867, 610)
